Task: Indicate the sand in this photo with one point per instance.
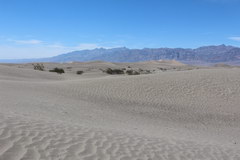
(181, 113)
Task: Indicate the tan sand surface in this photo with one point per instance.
(181, 113)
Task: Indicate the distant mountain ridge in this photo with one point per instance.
(201, 55)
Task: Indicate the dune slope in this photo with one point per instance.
(171, 115)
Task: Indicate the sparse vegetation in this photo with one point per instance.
(132, 72)
(163, 69)
(140, 70)
(79, 72)
(57, 70)
(114, 71)
(128, 71)
(39, 67)
(146, 72)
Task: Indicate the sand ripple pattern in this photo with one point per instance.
(23, 139)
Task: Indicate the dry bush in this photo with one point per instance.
(57, 70)
(79, 72)
(39, 67)
(114, 71)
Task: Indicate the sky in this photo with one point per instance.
(45, 28)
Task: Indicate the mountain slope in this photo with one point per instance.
(207, 54)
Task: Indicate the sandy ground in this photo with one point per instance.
(177, 113)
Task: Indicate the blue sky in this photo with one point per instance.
(44, 28)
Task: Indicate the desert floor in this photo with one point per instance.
(177, 112)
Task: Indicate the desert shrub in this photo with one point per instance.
(132, 72)
(163, 69)
(140, 70)
(79, 72)
(146, 72)
(114, 71)
(39, 67)
(57, 70)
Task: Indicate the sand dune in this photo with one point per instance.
(10, 73)
(27, 139)
(188, 114)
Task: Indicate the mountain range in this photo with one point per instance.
(202, 55)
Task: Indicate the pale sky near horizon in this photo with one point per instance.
(45, 28)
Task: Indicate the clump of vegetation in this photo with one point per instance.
(163, 69)
(146, 72)
(141, 71)
(57, 70)
(114, 71)
(69, 68)
(132, 72)
(79, 72)
(39, 67)
(126, 71)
